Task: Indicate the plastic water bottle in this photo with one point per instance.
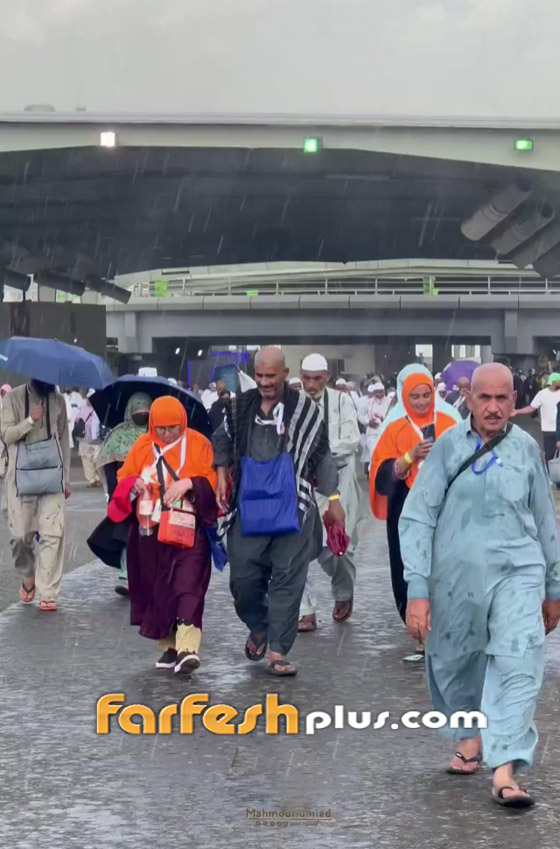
(145, 510)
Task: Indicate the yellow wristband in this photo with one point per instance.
(334, 497)
(408, 459)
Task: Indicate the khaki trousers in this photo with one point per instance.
(43, 559)
(89, 453)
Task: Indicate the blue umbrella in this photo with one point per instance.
(54, 362)
(110, 403)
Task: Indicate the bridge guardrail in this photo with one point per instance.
(184, 287)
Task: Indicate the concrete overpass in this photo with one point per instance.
(377, 304)
(194, 190)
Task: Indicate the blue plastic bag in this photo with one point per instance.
(268, 502)
(217, 548)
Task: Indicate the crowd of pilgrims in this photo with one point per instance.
(277, 491)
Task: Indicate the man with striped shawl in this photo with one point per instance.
(268, 572)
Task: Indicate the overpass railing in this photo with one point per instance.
(364, 285)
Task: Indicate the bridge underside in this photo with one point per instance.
(87, 214)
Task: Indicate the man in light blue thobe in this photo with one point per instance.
(482, 563)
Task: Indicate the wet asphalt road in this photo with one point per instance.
(68, 787)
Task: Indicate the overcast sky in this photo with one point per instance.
(414, 57)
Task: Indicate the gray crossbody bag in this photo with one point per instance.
(39, 467)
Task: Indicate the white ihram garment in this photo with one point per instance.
(344, 439)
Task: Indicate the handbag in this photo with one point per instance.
(268, 501)
(177, 526)
(79, 429)
(554, 468)
(39, 466)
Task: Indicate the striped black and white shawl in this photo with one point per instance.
(306, 439)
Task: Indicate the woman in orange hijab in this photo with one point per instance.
(406, 440)
(168, 553)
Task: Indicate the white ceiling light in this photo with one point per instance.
(108, 139)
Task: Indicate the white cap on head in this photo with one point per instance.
(293, 380)
(212, 386)
(341, 382)
(376, 387)
(314, 362)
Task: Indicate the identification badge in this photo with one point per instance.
(181, 519)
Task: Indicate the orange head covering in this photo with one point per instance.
(401, 435)
(166, 412)
(412, 382)
(199, 457)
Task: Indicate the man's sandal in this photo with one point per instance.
(452, 770)
(307, 623)
(513, 801)
(339, 605)
(286, 668)
(47, 604)
(258, 643)
(26, 595)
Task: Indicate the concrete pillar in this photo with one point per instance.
(486, 355)
(128, 340)
(442, 354)
(391, 358)
(45, 294)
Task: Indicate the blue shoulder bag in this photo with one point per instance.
(268, 501)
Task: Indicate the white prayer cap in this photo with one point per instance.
(314, 362)
(341, 382)
(293, 380)
(376, 387)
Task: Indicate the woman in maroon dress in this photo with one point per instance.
(168, 553)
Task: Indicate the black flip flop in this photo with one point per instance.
(257, 642)
(454, 771)
(513, 801)
(278, 672)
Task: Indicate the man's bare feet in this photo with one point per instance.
(507, 792)
(469, 763)
(307, 623)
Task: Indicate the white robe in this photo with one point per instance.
(208, 397)
(375, 408)
(344, 440)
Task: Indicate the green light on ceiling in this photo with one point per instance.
(523, 144)
(312, 145)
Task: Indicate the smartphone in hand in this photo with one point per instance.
(429, 432)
